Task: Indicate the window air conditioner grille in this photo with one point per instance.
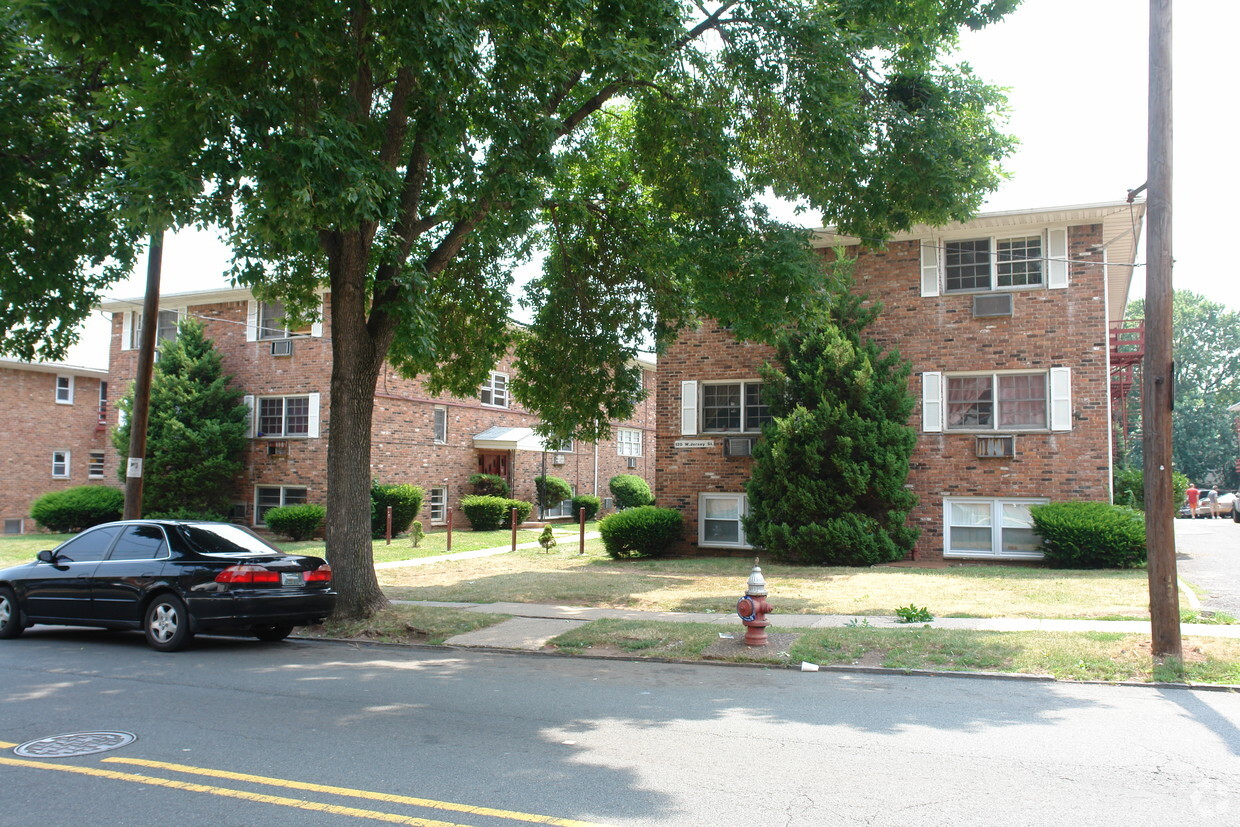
(738, 447)
(282, 347)
(277, 448)
(996, 446)
(558, 459)
(632, 462)
(992, 304)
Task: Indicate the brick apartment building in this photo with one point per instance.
(54, 435)
(435, 442)
(1005, 320)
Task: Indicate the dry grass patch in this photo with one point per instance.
(406, 624)
(714, 584)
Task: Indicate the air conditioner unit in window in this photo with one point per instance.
(282, 347)
(631, 462)
(608, 502)
(992, 304)
(558, 459)
(277, 448)
(992, 447)
(738, 447)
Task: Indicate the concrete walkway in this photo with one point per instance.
(534, 624)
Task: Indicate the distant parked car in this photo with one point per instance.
(171, 579)
(1226, 508)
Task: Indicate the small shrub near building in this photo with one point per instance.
(551, 491)
(589, 502)
(1084, 535)
(644, 531)
(405, 500)
(75, 509)
(630, 491)
(490, 485)
(1128, 487)
(493, 513)
(296, 522)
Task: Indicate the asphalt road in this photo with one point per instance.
(1207, 555)
(410, 733)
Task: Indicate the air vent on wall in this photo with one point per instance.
(992, 304)
(738, 447)
(558, 459)
(632, 462)
(277, 448)
(996, 446)
(282, 347)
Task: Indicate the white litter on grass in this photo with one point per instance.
(806, 666)
(727, 636)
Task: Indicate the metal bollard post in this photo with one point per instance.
(389, 525)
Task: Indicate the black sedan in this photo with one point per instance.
(171, 579)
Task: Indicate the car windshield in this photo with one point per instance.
(224, 539)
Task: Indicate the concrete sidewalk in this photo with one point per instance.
(532, 624)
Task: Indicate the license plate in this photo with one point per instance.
(291, 578)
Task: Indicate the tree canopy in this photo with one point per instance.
(405, 155)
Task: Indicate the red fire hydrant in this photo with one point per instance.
(753, 608)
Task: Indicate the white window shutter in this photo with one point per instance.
(316, 329)
(932, 401)
(1057, 255)
(313, 431)
(1061, 399)
(249, 403)
(929, 267)
(688, 407)
(127, 330)
(251, 321)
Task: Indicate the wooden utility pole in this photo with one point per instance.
(142, 384)
(1159, 377)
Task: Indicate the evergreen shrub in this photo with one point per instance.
(1128, 487)
(1091, 535)
(630, 491)
(589, 502)
(642, 531)
(490, 485)
(406, 502)
(557, 491)
(186, 514)
(296, 522)
(493, 513)
(78, 508)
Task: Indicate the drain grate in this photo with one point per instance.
(75, 743)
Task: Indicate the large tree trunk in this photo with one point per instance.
(357, 356)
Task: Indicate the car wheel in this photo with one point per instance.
(272, 634)
(167, 624)
(10, 615)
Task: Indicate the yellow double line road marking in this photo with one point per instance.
(293, 785)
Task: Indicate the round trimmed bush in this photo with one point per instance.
(630, 491)
(589, 502)
(296, 522)
(75, 509)
(489, 485)
(558, 490)
(1084, 535)
(644, 531)
(406, 502)
(493, 513)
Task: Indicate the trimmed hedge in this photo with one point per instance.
(493, 513)
(1128, 487)
(406, 502)
(1084, 535)
(644, 531)
(489, 485)
(630, 491)
(296, 522)
(589, 502)
(186, 514)
(75, 509)
(558, 490)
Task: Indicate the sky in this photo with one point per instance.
(1075, 71)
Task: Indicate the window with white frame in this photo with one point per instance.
(974, 527)
(494, 391)
(720, 520)
(273, 322)
(441, 425)
(274, 496)
(165, 329)
(64, 390)
(992, 263)
(439, 506)
(628, 442)
(733, 407)
(103, 403)
(997, 401)
(560, 446)
(564, 508)
(95, 469)
(283, 416)
(60, 464)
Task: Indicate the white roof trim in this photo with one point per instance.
(53, 367)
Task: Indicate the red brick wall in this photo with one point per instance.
(1049, 328)
(403, 448)
(35, 425)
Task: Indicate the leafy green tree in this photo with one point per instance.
(828, 476)
(405, 156)
(196, 429)
(1205, 345)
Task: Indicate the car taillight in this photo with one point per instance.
(249, 575)
(323, 574)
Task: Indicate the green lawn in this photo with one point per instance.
(22, 548)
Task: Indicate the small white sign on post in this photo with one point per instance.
(134, 469)
(694, 443)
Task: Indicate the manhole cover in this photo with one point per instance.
(75, 743)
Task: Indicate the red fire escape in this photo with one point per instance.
(1127, 346)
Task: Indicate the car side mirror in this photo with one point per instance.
(47, 556)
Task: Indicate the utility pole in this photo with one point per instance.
(1159, 376)
(142, 383)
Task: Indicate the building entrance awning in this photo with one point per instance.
(500, 438)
